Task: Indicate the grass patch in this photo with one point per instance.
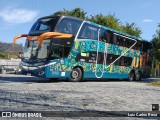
(155, 83)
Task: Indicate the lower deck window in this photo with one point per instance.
(90, 57)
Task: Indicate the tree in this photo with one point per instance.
(64, 12)
(156, 39)
(156, 53)
(131, 29)
(156, 43)
(109, 21)
(77, 12)
(2, 55)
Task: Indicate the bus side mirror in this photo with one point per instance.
(20, 55)
(18, 36)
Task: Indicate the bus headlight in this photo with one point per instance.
(49, 64)
(41, 73)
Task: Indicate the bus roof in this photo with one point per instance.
(52, 16)
(98, 25)
(118, 32)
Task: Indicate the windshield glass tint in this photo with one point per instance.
(43, 25)
(69, 26)
(33, 52)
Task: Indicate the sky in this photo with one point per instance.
(18, 16)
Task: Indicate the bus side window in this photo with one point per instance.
(114, 39)
(127, 44)
(119, 41)
(88, 31)
(82, 57)
(70, 26)
(138, 46)
(123, 60)
(128, 61)
(77, 57)
(100, 58)
(88, 34)
(102, 36)
(124, 42)
(108, 59)
(92, 57)
(66, 50)
(105, 36)
(111, 59)
(117, 62)
(110, 33)
(130, 43)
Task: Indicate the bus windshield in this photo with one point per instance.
(34, 52)
(49, 50)
(43, 25)
(66, 25)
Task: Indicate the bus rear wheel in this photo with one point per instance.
(76, 75)
(131, 76)
(138, 76)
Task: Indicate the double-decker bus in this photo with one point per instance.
(68, 47)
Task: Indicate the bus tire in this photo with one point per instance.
(138, 76)
(131, 76)
(76, 75)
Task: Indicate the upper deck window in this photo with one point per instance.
(68, 25)
(43, 25)
(106, 36)
(88, 32)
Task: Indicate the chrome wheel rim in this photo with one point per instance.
(138, 76)
(75, 74)
(131, 76)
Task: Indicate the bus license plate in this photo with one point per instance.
(28, 74)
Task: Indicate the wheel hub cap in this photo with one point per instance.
(74, 74)
(138, 76)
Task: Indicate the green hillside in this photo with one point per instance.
(8, 50)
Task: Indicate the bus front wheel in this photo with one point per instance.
(76, 75)
(138, 76)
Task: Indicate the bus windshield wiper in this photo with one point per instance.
(25, 58)
(40, 59)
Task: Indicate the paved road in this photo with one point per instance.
(23, 93)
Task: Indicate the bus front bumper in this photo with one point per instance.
(43, 72)
(34, 71)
